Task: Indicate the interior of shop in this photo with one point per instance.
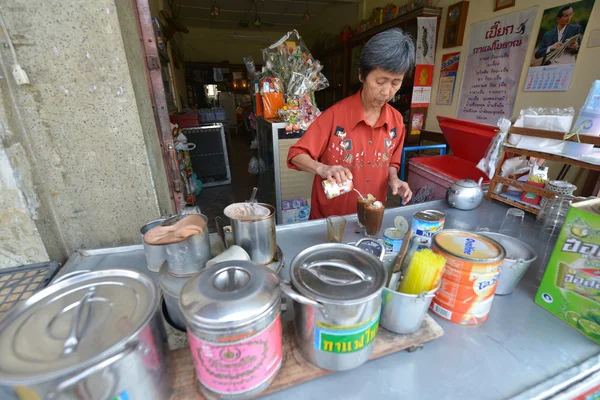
(212, 57)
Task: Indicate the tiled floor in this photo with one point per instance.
(213, 200)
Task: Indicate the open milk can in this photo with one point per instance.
(232, 313)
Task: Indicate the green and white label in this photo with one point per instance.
(340, 339)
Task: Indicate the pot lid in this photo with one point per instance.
(337, 273)
(74, 323)
(171, 284)
(229, 294)
(466, 183)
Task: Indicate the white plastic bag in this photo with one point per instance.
(492, 155)
(253, 166)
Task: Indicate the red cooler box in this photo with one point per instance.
(468, 142)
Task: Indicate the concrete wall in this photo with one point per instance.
(82, 130)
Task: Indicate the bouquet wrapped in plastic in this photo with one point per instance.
(289, 60)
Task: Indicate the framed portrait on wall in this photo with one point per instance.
(502, 4)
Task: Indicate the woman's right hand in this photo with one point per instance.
(334, 173)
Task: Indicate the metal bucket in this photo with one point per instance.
(155, 255)
(404, 313)
(256, 236)
(190, 255)
(519, 256)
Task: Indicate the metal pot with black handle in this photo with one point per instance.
(336, 289)
(93, 336)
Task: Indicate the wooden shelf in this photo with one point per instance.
(506, 148)
(519, 204)
(551, 157)
(555, 135)
(419, 12)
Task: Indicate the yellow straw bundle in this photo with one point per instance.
(423, 272)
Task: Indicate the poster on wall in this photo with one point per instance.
(557, 45)
(447, 82)
(426, 34)
(495, 58)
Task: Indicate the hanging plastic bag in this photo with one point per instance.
(492, 155)
(253, 166)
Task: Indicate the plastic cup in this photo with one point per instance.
(512, 225)
(335, 228)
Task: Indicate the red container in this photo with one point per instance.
(185, 120)
(468, 142)
(532, 198)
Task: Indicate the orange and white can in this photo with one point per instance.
(470, 277)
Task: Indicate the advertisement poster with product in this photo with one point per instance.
(557, 46)
(494, 61)
(447, 82)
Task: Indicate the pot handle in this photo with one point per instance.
(72, 381)
(314, 269)
(297, 297)
(381, 255)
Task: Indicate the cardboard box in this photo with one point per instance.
(570, 288)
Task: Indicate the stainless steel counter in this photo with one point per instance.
(520, 349)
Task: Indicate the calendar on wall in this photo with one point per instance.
(552, 78)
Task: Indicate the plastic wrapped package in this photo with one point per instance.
(271, 91)
(492, 155)
(551, 119)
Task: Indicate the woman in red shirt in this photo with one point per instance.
(360, 138)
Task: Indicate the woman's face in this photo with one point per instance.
(380, 86)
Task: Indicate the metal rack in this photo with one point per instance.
(497, 179)
(210, 160)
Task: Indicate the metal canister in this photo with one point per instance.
(470, 276)
(94, 335)
(392, 240)
(335, 189)
(191, 254)
(155, 254)
(425, 224)
(256, 235)
(233, 318)
(336, 290)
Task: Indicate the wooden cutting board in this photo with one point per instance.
(295, 368)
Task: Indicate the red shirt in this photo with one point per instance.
(342, 136)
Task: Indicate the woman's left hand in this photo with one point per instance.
(401, 189)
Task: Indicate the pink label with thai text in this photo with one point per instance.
(238, 366)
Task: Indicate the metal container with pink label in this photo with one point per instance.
(233, 318)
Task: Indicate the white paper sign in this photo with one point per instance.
(494, 61)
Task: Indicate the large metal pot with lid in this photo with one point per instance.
(336, 289)
(232, 313)
(93, 336)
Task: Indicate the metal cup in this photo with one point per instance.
(404, 313)
(155, 255)
(190, 255)
(256, 236)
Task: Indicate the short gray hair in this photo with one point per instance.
(392, 51)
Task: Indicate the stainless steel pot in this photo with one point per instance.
(465, 194)
(336, 289)
(190, 255)
(92, 336)
(232, 313)
(155, 255)
(171, 287)
(255, 235)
